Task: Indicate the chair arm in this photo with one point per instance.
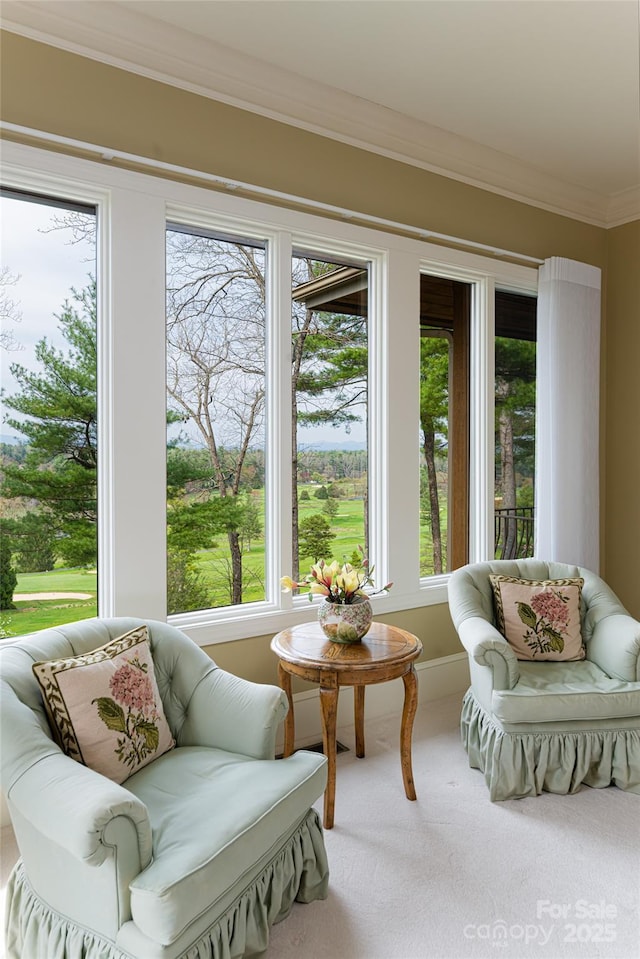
(615, 646)
(74, 806)
(487, 647)
(228, 712)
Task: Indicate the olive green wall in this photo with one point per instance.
(47, 89)
(622, 413)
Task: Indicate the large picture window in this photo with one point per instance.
(49, 444)
(258, 370)
(329, 374)
(216, 323)
(515, 407)
(445, 322)
(446, 415)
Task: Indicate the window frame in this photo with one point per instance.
(133, 210)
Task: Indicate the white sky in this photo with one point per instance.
(47, 266)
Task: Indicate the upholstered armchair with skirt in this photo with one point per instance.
(557, 703)
(159, 825)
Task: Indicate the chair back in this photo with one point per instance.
(470, 593)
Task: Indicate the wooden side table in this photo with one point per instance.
(385, 653)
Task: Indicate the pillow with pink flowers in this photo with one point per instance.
(540, 619)
(104, 707)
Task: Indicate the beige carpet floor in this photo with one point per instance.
(454, 876)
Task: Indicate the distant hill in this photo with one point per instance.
(323, 447)
(347, 445)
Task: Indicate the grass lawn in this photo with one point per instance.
(39, 614)
(214, 564)
(59, 581)
(33, 614)
(348, 524)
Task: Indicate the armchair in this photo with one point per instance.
(194, 855)
(533, 726)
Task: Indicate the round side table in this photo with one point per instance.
(385, 653)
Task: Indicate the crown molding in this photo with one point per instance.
(120, 37)
(623, 207)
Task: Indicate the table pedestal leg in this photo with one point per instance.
(284, 679)
(408, 714)
(358, 698)
(329, 706)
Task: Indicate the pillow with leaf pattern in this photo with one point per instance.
(540, 619)
(104, 707)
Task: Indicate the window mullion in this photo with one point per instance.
(132, 406)
(279, 482)
(394, 379)
(482, 402)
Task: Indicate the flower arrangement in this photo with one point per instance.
(341, 584)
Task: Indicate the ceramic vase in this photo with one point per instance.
(345, 623)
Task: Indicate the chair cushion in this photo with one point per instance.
(552, 692)
(104, 706)
(213, 815)
(540, 619)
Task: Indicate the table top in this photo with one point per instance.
(307, 645)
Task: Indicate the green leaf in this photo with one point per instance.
(150, 733)
(556, 642)
(111, 714)
(527, 615)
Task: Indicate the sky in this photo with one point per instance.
(47, 266)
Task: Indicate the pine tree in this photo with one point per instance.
(59, 422)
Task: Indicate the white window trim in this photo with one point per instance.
(133, 209)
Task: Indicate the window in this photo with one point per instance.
(250, 357)
(445, 320)
(216, 323)
(48, 303)
(515, 396)
(329, 371)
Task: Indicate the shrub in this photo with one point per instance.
(8, 577)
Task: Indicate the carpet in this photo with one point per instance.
(454, 876)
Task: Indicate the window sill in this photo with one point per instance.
(210, 627)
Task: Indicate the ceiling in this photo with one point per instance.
(538, 99)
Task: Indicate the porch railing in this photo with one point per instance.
(514, 533)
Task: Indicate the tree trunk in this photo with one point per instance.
(434, 505)
(236, 567)
(508, 484)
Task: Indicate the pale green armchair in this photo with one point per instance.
(196, 854)
(553, 725)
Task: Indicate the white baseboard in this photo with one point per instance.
(436, 678)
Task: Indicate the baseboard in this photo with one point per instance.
(436, 678)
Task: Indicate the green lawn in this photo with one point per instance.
(33, 614)
(59, 580)
(213, 563)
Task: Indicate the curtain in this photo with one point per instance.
(567, 525)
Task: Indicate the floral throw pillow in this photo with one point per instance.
(540, 619)
(104, 706)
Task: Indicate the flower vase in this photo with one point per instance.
(345, 622)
